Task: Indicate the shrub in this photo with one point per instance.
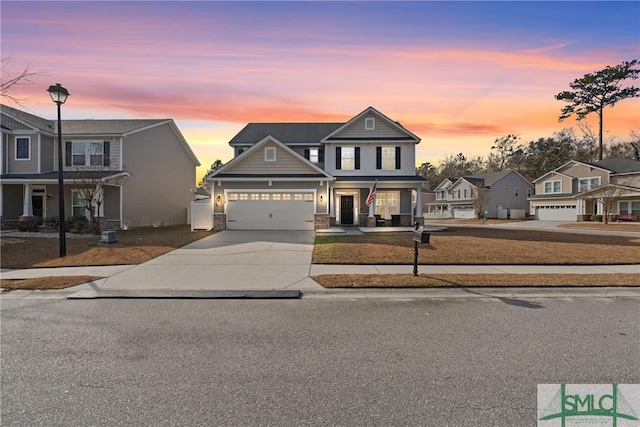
(52, 222)
(635, 218)
(77, 224)
(28, 223)
(597, 218)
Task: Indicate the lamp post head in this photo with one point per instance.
(58, 93)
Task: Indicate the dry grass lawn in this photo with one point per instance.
(478, 246)
(40, 283)
(473, 280)
(134, 246)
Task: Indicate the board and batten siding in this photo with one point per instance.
(368, 159)
(254, 163)
(162, 178)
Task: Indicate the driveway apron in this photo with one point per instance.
(228, 260)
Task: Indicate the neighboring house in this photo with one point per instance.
(498, 194)
(144, 168)
(306, 176)
(577, 190)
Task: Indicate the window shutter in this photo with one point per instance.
(397, 157)
(338, 158)
(357, 155)
(306, 153)
(378, 157)
(321, 155)
(67, 153)
(106, 151)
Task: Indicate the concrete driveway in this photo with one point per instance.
(228, 260)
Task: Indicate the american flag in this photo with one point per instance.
(372, 194)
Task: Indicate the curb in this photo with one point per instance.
(169, 294)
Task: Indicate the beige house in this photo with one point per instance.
(306, 176)
(577, 190)
(144, 168)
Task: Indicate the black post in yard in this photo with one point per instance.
(59, 96)
(415, 259)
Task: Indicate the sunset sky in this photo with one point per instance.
(457, 74)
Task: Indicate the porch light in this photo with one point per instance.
(59, 95)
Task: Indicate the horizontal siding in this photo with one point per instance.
(566, 184)
(382, 129)
(254, 163)
(23, 166)
(115, 161)
(630, 180)
(584, 171)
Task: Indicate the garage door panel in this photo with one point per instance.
(284, 213)
(556, 213)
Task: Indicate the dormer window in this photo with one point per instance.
(370, 123)
(270, 154)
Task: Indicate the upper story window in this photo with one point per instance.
(369, 123)
(586, 184)
(313, 155)
(348, 158)
(552, 187)
(270, 154)
(23, 151)
(87, 153)
(388, 158)
(516, 192)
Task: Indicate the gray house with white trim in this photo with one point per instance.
(144, 168)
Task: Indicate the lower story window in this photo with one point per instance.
(630, 208)
(77, 204)
(387, 203)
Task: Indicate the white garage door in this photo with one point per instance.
(256, 210)
(557, 213)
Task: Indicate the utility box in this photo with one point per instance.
(108, 237)
(421, 236)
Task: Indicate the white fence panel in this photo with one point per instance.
(201, 215)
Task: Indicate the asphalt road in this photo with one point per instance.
(447, 362)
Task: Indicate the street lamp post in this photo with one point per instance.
(59, 96)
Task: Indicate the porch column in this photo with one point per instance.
(332, 203)
(26, 201)
(100, 196)
(1, 199)
(372, 207)
(419, 202)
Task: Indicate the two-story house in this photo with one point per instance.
(500, 194)
(575, 190)
(144, 168)
(306, 176)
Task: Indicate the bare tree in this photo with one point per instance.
(608, 196)
(479, 195)
(90, 183)
(8, 80)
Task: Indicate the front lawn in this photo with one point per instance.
(478, 246)
(134, 246)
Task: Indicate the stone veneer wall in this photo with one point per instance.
(332, 221)
(370, 221)
(219, 221)
(321, 221)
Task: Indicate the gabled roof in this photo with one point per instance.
(445, 181)
(553, 172)
(409, 136)
(108, 127)
(269, 138)
(31, 121)
(288, 133)
(619, 165)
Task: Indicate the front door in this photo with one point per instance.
(37, 205)
(346, 210)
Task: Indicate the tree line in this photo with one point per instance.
(590, 94)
